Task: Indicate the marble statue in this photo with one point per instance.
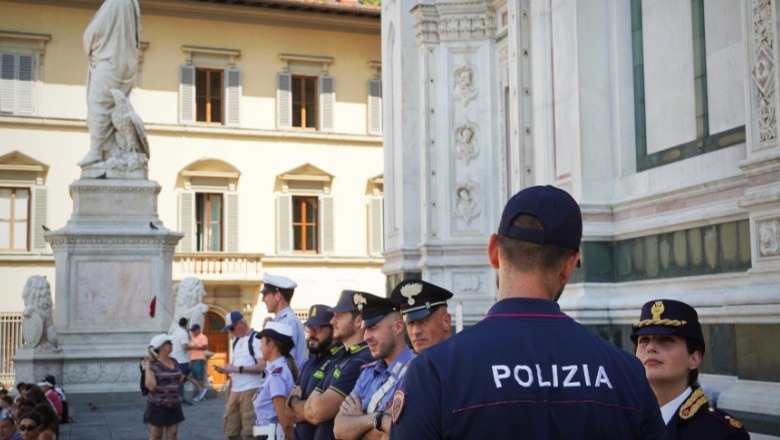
(189, 302)
(37, 319)
(112, 40)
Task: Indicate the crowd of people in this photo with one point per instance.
(35, 413)
(388, 368)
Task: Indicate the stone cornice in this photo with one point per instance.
(115, 238)
(454, 21)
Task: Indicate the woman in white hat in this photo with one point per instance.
(162, 377)
(276, 343)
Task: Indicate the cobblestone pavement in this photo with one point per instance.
(124, 421)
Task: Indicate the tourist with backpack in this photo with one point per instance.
(245, 371)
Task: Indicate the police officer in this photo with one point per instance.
(277, 293)
(342, 372)
(321, 349)
(670, 344)
(271, 421)
(365, 410)
(423, 306)
(527, 369)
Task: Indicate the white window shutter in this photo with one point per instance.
(327, 102)
(232, 96)
(24, 85)
(231, 215)
(326, 225)
(375, 225)
(283, 100)
(7, 82)
(39, 218)
(284, 235)
(374, 106)
(186, 94)
(187, 220)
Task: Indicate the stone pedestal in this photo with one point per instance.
(112, 258)
(31, 365)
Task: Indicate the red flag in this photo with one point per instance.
(152, 306)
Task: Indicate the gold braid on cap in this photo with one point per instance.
(666, 322)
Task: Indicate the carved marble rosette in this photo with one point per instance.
(763, 70)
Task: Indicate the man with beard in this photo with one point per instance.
(362, 415)
(342, 372)
(527, 367)
(423, 306)
(321, 351)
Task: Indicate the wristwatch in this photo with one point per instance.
(378, 421)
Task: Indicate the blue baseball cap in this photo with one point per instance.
(231, 319)
(558, 212)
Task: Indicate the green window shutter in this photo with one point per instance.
(283, 100)
(231, 215)
(374, 106)
(186, 220)
(186, 94)
(232, 96)
(39, 218)
(326, 224)
(284, 234)
(375, 225)
(7, 82)
(327, 102)
(24, 85)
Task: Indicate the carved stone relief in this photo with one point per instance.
(466, 145)
(467, 282)
(465, 83)
(467, 198)
(769, 238)
(763, 69)
(38, 330)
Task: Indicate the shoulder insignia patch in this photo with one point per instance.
(336, 373)
(399, 399)
(696, 400)
(277, 370)
(734, 422)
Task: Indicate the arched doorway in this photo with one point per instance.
(218, 343)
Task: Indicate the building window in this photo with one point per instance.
(208, 222)
(208, 95)
(305, 93)
(304, 101)
(14, 216)
(304, 224)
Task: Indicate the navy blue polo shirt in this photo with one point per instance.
(312, 373)
(341, 376)
(526, 369)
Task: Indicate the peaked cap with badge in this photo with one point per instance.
(319, 315)
(417, 299)
(373, 308)
(668, 317)
(346, 302)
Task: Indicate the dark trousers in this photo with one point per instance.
(185, 368)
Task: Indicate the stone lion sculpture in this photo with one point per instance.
(189, 302)
(37, 320)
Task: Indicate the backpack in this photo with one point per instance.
(252, 334)
(144, 390)
(65, 410)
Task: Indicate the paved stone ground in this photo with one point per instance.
(123, 421)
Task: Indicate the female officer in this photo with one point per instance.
(280, 374)
(670, 344)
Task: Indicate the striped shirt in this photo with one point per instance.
(166, 394)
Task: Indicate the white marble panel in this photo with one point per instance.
(668, 62)
(565, 86)
(725, 64)
(110, 291)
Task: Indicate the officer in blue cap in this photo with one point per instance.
(423, 306)
(343, 369)
(321, 350)
(365, 410)
(277, 293)
(527, 369)
(670, 344)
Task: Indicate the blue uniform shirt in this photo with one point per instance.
(526, 369)
(312, 373)
(341, 375)
(299, 352)
(278, 382)
(377, 375)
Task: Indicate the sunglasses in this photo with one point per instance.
(28, 427)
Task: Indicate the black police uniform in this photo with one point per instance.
(340, 376)
(533, 373)
(695, 418)
(312, 373)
